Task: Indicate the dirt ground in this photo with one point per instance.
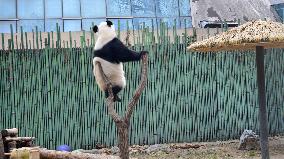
(212, 150)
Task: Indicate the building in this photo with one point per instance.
(278, 6)
(232, 10)
(77, 15)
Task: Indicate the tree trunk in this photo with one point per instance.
(122, 129)
(122, 124)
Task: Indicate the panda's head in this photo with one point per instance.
(105, 29)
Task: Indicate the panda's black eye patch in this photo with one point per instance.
(95, 29)
(109, 23)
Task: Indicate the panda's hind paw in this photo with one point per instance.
(116, 98)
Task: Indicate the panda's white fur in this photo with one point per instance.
(105, 35)
(113, 71)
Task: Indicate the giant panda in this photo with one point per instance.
(111, 53)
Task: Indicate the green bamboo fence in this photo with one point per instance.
(51, 94)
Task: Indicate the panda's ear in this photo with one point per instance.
(95, 29)
(109, 23)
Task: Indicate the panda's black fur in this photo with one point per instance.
(115, 52)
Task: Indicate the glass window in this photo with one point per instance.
(188, 22)
(123, 23)
(184, 7)
(282, 14)
(92, 9)
(8, 9)
(170, 22)
(138, 22)
(53, 9)
(118, 8)
(143, 8)
(5, 26)
(71, 8)
(29, 9)
(28, 25)
(72, 25)
(50, 24)
(280, 10)
(167, 8)
(87, 23)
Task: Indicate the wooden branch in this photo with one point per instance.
(134, 100)
(185, 146)
(10, 132)
(51, 154)
(9, 139)
(139, 90)
(7, 154)
(110, 102)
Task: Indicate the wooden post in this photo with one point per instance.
(1, 147)
(122, 123)
(11, 145)
(263, 123)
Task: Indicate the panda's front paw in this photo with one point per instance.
(144, 53)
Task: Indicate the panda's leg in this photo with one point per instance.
(106, 94)
(116, 90)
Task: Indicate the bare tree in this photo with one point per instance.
(122, 123)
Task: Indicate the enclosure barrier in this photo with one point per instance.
(49, 92)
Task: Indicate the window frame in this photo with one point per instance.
(82, 19)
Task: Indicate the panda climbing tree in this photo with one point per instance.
(110, 53)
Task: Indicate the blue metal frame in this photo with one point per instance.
(179, 17)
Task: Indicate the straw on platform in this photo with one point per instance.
(245, 37)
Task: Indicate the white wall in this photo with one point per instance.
(230, 10)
